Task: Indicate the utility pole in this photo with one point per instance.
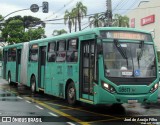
(109, 13)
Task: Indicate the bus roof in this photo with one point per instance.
(79, 33)
(88, 31)
(13, 45)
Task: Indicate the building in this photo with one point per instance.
(147, 17)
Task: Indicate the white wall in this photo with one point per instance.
(144, 10)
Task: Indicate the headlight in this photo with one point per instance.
(108, 87)
(154, 88)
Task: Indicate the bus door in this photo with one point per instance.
(18, 63)
(87, 69)
(41, 66)
(5, 54)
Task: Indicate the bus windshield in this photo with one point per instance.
(126, 59)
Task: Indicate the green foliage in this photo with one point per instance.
(14, 30)
(76, 15)
(36, 33)
(82, 11)
(96, 20)
(68, 19)
(0, 22)
(120, 21)
(59, 32)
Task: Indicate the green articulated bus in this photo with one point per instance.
(103, 65)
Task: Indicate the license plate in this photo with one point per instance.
(132, 101)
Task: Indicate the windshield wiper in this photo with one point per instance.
(139, 55)
(141, 51)
(121, 50)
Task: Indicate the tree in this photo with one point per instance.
(75, 19)
(0, 22)
(120, 21)
(13, 32)
(35, 33)
(14, 29)
(96, 20)
(82, 11)
(68, 19)
(59, 32)
(30, 21)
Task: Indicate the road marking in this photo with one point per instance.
(111, 117)
(59, 112)
(39, 107)
(81, 110)
(28, 101)
(53, 114)
(70, 123)
(19, 97)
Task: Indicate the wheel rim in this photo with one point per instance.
(33, 87)
(71, 93)
(9, 80)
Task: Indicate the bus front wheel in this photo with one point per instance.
(71, 94)
(33, 84)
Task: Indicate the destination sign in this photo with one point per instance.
(126, 35)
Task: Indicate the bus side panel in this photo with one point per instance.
(11, 67)
(72, 72)
(4, 64)
(50, 79)
(32, 70)
(59, 77)
(24, 63)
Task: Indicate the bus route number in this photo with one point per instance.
(124, 89)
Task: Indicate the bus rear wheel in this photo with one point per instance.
(33, 84)
(71, 94)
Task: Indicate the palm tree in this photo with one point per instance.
(75, 19)
(81, 11)
(96, 20)
(120, 21)
(68, 17)
(59, 32)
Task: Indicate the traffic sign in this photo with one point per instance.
(34, 8)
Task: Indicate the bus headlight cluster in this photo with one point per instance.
(154, 88)
(108, 87)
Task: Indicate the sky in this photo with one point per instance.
(58, 7)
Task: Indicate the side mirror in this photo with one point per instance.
(99, 48)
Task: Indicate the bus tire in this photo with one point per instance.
(71, 94)
(9, 78)
(33, 84)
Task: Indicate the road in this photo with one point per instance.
(17, 103)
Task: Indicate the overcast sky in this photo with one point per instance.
(58, 7)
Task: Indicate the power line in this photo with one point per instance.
(72, 17)
(131, 6)
(65, 5)
(67, 9)
(119, 4)
(57, 19)
(140, 8)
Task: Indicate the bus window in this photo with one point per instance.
(72, 53)
(61, 54)
(33, 53)
(51, 52)
(12, 54)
